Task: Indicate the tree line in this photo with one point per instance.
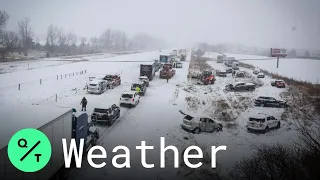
(61, 43)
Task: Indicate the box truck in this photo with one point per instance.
(148, 70)
(57, 124)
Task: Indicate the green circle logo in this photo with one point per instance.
(29, 150)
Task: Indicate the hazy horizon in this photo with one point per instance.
(284, 23)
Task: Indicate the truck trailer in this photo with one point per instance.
(220, 58)
(164, 58)
(57, 124)
(148, 70)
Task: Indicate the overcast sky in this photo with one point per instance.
(263, 23)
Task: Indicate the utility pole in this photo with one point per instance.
(277, 61)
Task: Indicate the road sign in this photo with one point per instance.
(29, 150)
(276, 52)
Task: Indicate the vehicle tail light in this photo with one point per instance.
(132, 100)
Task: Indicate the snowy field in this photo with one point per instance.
(157, 115)
(9, 67)
(299, 69)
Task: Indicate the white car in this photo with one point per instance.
(260, 75)
(200, 124)
(97, 86)
(256, 71)
(129, 98)
(145, 80)
(262, 122)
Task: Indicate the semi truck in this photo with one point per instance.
(220, 58)
(57, 124)
(148, 70)
(164, 59)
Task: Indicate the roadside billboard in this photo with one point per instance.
(276, 52)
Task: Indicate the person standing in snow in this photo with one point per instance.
(138, 90)
(168, 77)
(84, 103)
(233, 73)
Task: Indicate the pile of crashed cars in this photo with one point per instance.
(100, 85)
(260, 122)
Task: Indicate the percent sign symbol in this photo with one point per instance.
(30, 150)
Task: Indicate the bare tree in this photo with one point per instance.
(83, 41)
(8, 41)
(62, 41)
(94, 42)
(25, 32)
(52, 38)
(3, 19)
(124, 41)
(107, 39)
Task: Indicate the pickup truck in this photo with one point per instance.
(240, 86)
(270, 102)
(108, 116)
(198, 124)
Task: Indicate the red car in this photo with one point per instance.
(115, 79)
(278, 84)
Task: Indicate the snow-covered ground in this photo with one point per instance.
(9, 67)
(247, 56)
(299, 69)
(156, 116)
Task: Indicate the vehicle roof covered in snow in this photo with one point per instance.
(138, 82)
(18, 117)
(239, 82)
(128, 92)
(259, 115)
(143, 77)
(95, 81)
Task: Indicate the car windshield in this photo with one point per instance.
(97, 110)
(188, 117)
(136, 85)
(127, 95)
(108, 77)
(93, 84)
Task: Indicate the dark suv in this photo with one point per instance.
(270, 102)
